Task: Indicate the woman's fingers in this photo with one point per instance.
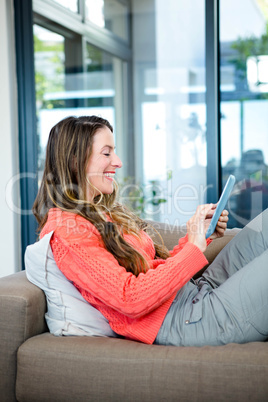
(223, 219)
(199, 222)
(196, 222)
(221, 225)
(196, 226)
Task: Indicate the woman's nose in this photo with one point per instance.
(117, 161)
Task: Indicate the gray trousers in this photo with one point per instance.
(229, 303)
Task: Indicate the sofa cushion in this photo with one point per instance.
(105, 369)
(68, 313)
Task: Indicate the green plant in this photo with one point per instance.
(246, 47)
(44, 81)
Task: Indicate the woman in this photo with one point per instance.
(145, 291)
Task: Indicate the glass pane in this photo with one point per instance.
(69, 4)
(64, 89)
(244, 102)
(49, 61)
(109, 14)
(100, 82)
(170, 124)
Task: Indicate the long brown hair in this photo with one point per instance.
(64, 186)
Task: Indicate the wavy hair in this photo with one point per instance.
(64, 186)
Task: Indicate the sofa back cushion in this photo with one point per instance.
(68, 313)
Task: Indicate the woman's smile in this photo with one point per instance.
(109, 175)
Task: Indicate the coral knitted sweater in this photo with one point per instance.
(134, 306)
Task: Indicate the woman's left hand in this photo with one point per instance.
(221, 225)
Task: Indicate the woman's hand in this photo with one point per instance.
(198, 225)
(221, 225)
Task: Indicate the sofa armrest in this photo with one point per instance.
(172, 233)
(22, 310)
(217, 245)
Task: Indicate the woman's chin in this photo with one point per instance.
(108, 190)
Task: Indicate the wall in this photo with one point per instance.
(9, 161)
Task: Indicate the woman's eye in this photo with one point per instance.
(107, 154)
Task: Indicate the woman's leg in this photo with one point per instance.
(244, 299)
(228, 304)
(236, 311)
(246, 245)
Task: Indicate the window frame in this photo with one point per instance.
(26, 119)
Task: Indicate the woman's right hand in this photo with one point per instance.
(198, 225)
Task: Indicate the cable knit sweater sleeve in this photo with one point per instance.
(82, 258)
(182, 242)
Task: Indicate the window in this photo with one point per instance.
(82, 66)
(71, 5)
(64, 89)
(110, 14)
(244, 102)
(170, 120)
(146, 65)
(49, 58)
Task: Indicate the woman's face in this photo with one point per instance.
(102, 164)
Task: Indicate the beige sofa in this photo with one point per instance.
(37, 366)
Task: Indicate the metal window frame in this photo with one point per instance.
(98, 37)
(213, 100)
(26, 118)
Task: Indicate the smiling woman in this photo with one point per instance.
(143, 290)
